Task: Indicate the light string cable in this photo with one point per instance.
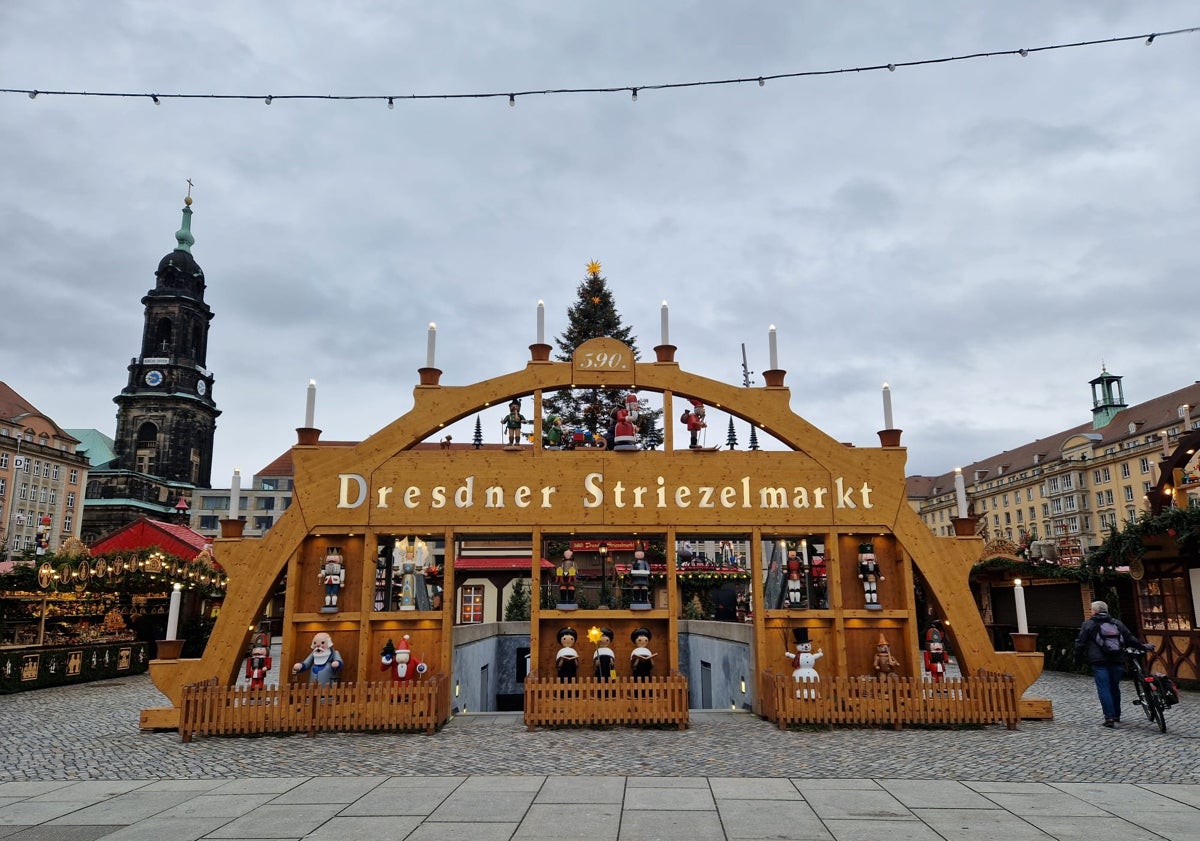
(157, 98)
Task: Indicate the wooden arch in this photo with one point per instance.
(867, 483)
(1184, 450)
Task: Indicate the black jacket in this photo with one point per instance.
(1087, 650)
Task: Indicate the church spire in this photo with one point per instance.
(183, 237)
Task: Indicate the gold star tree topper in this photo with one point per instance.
(593, 267)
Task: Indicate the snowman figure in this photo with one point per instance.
(805, 662)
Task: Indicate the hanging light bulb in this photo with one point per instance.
(512, 101)
(268, 99)
(391, 103)
(1150, 40)
(33, 94)
(635, 94)
(154, 99)
(892, 68)
(760, 81)
(1022, 52)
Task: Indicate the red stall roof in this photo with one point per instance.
(145, 533)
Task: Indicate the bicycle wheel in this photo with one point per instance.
(1143, 692)
(1158, 707)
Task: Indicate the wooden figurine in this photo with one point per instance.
(604, 660)
(869, 574)
(639, 577)
(566, 661)
(513, 422)
(885, 663)
(566, 573)
(795, 579)
(399, 660)
(333, 576)
(641, 660)
(935, 655)
(258, 662)
(323, 663)
(805, 661)
(693, 419)
(625, 428)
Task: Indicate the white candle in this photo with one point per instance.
(235, 494)
(887, 409)
(541, 323)
(432, 341)
(665, 335)
(310, 408)
(173, 613)
(1019, 598)
(773, 348)
(960, 489)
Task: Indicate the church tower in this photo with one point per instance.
(166, 416)
(1108, 398)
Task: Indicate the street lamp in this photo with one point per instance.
(602, 550)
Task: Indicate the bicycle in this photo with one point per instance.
(1149, 696)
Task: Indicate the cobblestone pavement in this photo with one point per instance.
(90, 732)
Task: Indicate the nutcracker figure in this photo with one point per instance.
(333, 576)
(566, 661)
(935, 655)
(869, 574)
(566, 574)
(805, 662)
(795, 578)
(399, 660)
(513, 422)
(258, 661)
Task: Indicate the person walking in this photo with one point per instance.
(1101, 644)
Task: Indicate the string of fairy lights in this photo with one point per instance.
(1023, 52)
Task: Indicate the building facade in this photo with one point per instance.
(42, 477)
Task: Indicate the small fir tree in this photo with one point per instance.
(477, 440)
(518, 607)
(731, 438)
(753, 437)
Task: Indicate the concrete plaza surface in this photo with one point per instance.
(76, 767)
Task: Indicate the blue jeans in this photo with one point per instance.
(1108, 687)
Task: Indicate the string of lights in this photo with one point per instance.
(1023, 52)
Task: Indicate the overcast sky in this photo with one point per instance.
(983, 235)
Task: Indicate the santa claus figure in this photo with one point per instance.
(258, 661)
(935, 655)
(694, 420)
(625, 429)
(805, 662)
(323, 663)
(400, 661)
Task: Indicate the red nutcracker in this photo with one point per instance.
(258, 662)
(795, 578)
(935, 655)
(401, 662)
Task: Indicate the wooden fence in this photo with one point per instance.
(984, 699)
(212, 710)
(550, 702)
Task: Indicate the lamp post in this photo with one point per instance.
(602, 551)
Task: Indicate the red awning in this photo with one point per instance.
(485, 564)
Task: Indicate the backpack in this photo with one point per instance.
(684, 417)
(1108, 638)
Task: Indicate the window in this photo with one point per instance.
(1129, 493)
(471, 607)
(1029, 494)
(265, 503)
(1145, 465)
(3, 461)
(263, 523)
(68, 523)
(1005, 500)
(53, 496)
(1108, 497)
(1099, 498)
(70, 499)
(24, 490)
(73, 476)
(1125, 471)
(1165, 604)
(208, 521)
(37, 467)
(3, 485)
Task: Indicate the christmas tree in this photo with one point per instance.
(592, 316)
(731, 438)
(477, 441)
